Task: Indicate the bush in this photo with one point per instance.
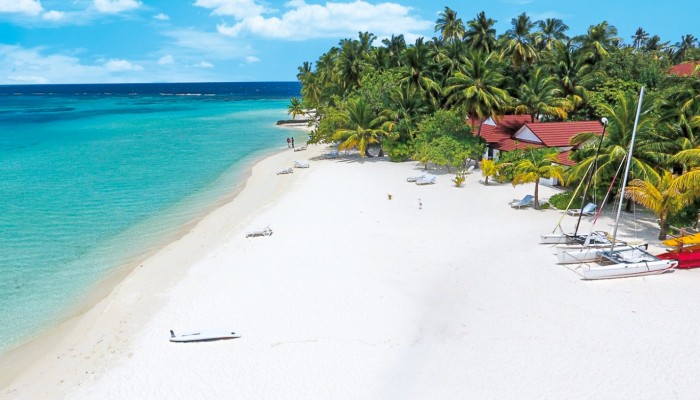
(399, 151)
(561, 200)
(459, 178)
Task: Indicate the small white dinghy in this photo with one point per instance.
(203, 336)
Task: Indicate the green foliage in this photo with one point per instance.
(459, 178)
(376, 89)
(333, 119)
(686, 216)
(444, 123)
(399, 151)
(561, 200)
(445, 139)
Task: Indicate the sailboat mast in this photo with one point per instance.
(591, 171)
(627, 168)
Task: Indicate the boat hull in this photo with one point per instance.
(626, 270)
(686, 260)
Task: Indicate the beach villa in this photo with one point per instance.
(512, 132)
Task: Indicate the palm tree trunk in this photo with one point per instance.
(663, 223)
(536, 206)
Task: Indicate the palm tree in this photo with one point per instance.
(490, 168)
(416, 70)
(639, 38)
(551, 31)
(450, 27)
(396, 46)
(477, 88)
(664, 198)
(362, 127)
(654, 44)
(519, 46)
(481, 34)
(574, 74)
(598, 41)
(541, 95)
(687, 42)
(295, 108)
(617, 141)
(536, 165)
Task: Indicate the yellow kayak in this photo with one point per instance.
(684, 240)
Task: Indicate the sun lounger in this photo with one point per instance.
(263, 232)
(470, 170)
(588, 209)
(427, 179)
(526, 201)
(332, 154)
(285, 171)
(299, 164)
(414, 178)
(302, 148)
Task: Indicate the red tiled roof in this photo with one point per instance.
(512, 144)
(559, 134)
(684, 69)
(564, 158)
(505, 127)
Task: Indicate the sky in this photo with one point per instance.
(113, 41)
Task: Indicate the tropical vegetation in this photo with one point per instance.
(427, 100)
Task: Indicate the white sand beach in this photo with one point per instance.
(358, 296)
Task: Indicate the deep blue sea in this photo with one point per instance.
(94, 176)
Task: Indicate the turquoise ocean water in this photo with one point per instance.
(93, 176)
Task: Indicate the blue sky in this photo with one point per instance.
(104, 41)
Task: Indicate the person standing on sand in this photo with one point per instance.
(289, 141)
(292, 142)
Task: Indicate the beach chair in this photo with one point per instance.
(415, 178)
(526, 201)
(299, 164)
(302, 148)
(588, 209)
(332, 154)
(426, 179)
(469, 170)
(285, 171)
(262, 232)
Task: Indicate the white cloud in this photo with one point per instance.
(53, 15)
(167, 59)
(115, 6)
(239, 9)
(117, 65)
(27, 79)
(305, 21)
(193, 44)
(29, 7)
(204, 64)
(252, 59)
(161, 17)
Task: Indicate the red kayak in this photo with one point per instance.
(687, 258)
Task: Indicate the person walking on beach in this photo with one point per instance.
(289, 141)
(292, 142)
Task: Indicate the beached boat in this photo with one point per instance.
(628, 263)
(624, 263)
(685, 250)
(203, 336)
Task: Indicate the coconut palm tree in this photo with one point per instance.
(541, 95)
(665, 197)
(639, 38)
(490, 169)
(416, 70)
(519, 46)
(551, 31)
(477, 88)
(654, 44)
(574, 74)
(617, 142)
(450, 27)
(537, 164)
(598, 41)
(362, 127)
(681, 48)
(295, 108)
(396, 46)
(481, 35)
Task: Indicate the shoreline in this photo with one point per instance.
(18, 360)
(436, 292)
